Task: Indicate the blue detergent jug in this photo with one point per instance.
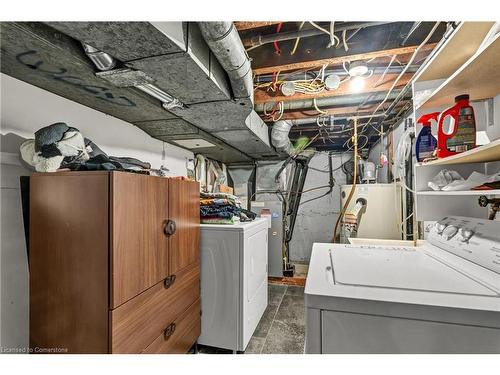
(426, 142)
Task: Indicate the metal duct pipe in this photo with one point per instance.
(280, 37)
(279, 136)
(101, 60)
(225, 43)
(331, 101)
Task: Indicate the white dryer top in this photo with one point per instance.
(239, 226)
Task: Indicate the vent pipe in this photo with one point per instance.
(225, 43)
(279, 137)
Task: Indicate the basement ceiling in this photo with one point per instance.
(290, 51)
(214, 123)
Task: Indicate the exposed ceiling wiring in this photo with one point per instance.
(344, 41)
(318, 109)
(334, 40)
(296, 44)
(417, 50)
(277, 49)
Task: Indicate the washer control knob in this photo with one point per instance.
(466, 234)
(449, 232)
(440, 227)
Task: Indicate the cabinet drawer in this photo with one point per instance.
(135, 324)
(186, 332)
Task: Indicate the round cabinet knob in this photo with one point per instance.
(449, 232)
(466, 234)
(440, 227)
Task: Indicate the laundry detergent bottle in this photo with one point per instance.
(461, 135)
(426, 143)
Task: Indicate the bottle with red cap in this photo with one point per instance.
(461, 135)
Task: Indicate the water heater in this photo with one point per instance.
(382, 216)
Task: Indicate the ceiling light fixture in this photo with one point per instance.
(357, 69)
(357, 84)
(125, 77)
(169, 102)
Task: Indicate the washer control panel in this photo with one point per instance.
(476, 240)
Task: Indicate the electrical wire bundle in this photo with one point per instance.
(306, 86)
(276, 112)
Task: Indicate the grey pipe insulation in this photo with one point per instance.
(225, 43)
(330, 101)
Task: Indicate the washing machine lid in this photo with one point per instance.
(401, 268)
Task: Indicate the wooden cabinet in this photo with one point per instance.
(114, 263)
(184, 243)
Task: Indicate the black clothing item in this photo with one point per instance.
(246, 215)
(108, 163)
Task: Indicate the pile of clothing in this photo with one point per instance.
(222, 208)
(59, 146)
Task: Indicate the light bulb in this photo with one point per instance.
(357, 84)
(357, 68)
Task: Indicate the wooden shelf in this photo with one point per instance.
(480, 154)
(461, 45)
(466, 192)
(479, 77)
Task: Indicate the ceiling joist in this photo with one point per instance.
(372, 84)
(341, 59)
(247, 25)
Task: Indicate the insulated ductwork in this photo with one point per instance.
(155, 64)
(128, 77)
(225, 43)
(279, 137)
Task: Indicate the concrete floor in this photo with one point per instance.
(282, 327)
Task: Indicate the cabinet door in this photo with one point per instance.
(68, 261)
(139, 244)
(184, 210)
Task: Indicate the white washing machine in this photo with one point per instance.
(233, 282)
(441, 297)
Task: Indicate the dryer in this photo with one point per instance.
(441, 297)
(233, 282)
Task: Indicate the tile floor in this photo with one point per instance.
(301, 269)
(282, 327)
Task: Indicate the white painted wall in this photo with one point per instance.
(24, 109)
